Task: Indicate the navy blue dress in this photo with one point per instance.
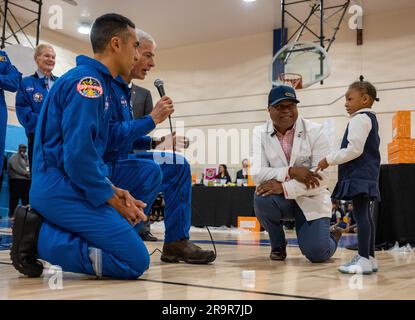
(361, 175)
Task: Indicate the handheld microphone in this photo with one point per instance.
(160, 87)
(159, 84)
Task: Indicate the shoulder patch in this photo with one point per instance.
(89, 87)
(3, 58)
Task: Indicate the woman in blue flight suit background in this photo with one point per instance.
(32, 92)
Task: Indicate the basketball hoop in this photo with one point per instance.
(300, 65)
(294, 80)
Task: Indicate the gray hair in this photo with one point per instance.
(39, 49)
(142, 35)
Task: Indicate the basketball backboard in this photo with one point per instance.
(307, 59)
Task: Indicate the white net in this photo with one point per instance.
(294, 80)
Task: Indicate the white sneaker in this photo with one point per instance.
(357, 265)
(374, 263)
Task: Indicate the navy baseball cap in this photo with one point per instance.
(281, 93)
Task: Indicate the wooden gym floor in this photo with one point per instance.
(242, 271)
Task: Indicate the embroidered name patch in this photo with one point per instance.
(107, 103)
(89, 87)
(37, 97)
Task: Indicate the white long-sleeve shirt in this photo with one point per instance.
(359, 129)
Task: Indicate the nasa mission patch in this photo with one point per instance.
(89, 87)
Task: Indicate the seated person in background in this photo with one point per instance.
(286, 150)
(223, 173)
(157, 210)
(337, 216)
(349, 219)
(243, 173)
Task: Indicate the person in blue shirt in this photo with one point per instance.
(33, 91)
(127, 135)
(86, 221)
(10, 78)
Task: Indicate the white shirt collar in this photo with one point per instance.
(363, 110)
(40, 74)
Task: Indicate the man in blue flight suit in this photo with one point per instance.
(9, 80)
(32, 92)
(120, 142)
(130, 135)
(87, 223)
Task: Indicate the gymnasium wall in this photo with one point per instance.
(224, 84)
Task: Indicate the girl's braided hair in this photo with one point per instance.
(365, 87)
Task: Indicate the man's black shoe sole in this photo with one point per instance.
(33, 268)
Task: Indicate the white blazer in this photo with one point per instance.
(310, 145)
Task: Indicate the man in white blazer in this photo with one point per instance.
(286, 150)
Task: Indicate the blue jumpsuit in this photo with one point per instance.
(144, 179)
(29, 99)
(32, 92)
(176, 179)
(70, 187)
(9, 80)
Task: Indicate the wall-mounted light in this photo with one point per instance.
(249, 0)
(71, 2)
(84, 28)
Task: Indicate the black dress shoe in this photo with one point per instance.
(25, 233)
(279, 254)
(147, 236)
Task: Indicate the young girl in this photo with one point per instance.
(359, 165)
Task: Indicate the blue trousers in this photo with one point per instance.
(142, 178)
(81, 238)
(314, 238)
(176, 186)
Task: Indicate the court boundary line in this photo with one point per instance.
(234, 290)
(342, 243)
